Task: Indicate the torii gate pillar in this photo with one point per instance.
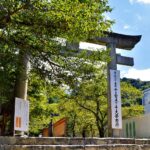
(112, 65)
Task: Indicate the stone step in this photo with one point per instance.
(69, 141)
(76, 147)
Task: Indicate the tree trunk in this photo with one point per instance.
(73, 127)
(100, 127)
(21, 85)
(22, 76)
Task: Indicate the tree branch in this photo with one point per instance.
(85, 107)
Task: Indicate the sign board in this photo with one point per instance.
(115, 99)
(21, 118)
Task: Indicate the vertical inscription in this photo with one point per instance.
(115, 99)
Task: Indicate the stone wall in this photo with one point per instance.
(66, 143)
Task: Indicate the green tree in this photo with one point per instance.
(30, 31)
(91, 95)
(132, 111)
(79, 120)
(30, 28)
(130, 96)
(44, 98)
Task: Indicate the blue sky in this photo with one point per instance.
(132, 17)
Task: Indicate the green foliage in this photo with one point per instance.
(7, 73)
(39, 93)
(130, 94)
(34, 28)
(141, 85)
(85, 107)
(78, 119)
(90, 94)
(130, 100)
(132, 111)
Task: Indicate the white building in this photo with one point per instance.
(138, 127)
(146, 101)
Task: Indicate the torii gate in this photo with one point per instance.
(111, 41)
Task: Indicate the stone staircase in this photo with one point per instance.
(67, 143)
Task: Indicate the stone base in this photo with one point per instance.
(66, 143)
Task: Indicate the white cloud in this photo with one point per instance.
(144, 1)
(143, 75)
(140, 1)
(126, 26)
(131, 1)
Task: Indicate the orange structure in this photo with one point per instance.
(59, 128)
(45, 132)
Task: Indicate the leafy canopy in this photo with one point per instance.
(32, 27)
